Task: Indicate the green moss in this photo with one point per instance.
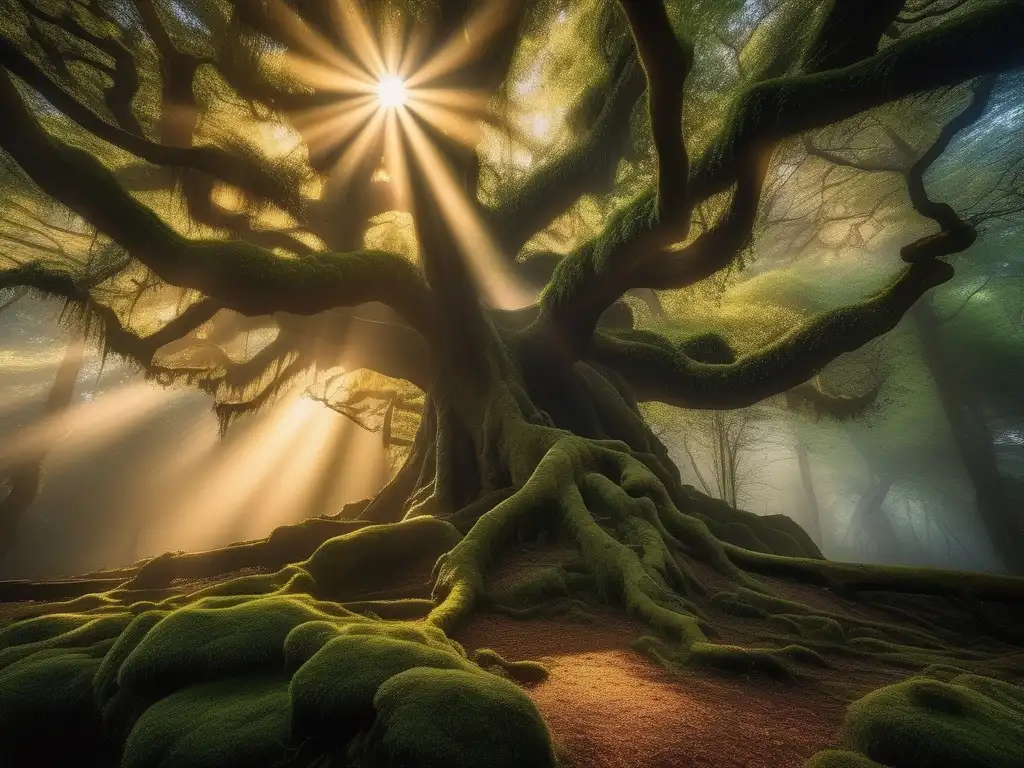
(413, 633)
(525, 672)
(773, 662)
(105, 684)
(970, 722)
(332, 693)
(812, 627)
(354, 563)
(487, 722)
(46, 709)
(533, 587)
(306, 639)
(40, 628)
(239, 723)
(943, 672)
(194, 645)
(92, 631)
(728, 602)
(836, 758)
(401, 609)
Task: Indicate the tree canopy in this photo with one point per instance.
(492, 231)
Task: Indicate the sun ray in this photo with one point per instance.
(235, 469)
(487, 265)
(464, 129)
(461, 49)
(365, 142)
(99, 421)
(473, 102)
(354, 27)
(328, 127)
(299, 34)
(326, 77)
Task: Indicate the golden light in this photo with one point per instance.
(390, 99)
(391, 92)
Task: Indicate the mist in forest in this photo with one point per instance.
(138, 469)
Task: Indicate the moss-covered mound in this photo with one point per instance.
(968, 722)
(455, 719)
(257, 680)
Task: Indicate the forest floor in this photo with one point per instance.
(609, 706)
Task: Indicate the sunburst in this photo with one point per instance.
(387, 88)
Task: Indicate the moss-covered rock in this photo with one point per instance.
(436, 718)
(46, 709)
(82, 635)
(200, 644)
(332, 693)
(970, 722)
(239, 723)
(348, 566)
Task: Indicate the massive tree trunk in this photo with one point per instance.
(530, 431)
(1003, 521)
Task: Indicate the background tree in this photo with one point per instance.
(331, 177)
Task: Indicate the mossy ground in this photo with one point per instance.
(276, 669)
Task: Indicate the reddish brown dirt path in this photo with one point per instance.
(608, 707)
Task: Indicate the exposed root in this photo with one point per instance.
(316, 628)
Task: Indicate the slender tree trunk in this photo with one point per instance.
(812, 512)
(871, 520)
(1004, 523)
(25, 477)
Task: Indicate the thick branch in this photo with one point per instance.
(241, 276)
(587, 167)
(657, 369)
(630, 253)
(666, 63)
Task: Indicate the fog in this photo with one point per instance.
(137, 469)
(134, 469)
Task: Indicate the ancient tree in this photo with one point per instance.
(193, 174)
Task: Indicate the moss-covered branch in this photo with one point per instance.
(630, 253)
(667, 62)
(253, 179)
(658, 369)
(587, 167)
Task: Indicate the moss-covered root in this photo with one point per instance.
(968, 722)
(525, 672)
